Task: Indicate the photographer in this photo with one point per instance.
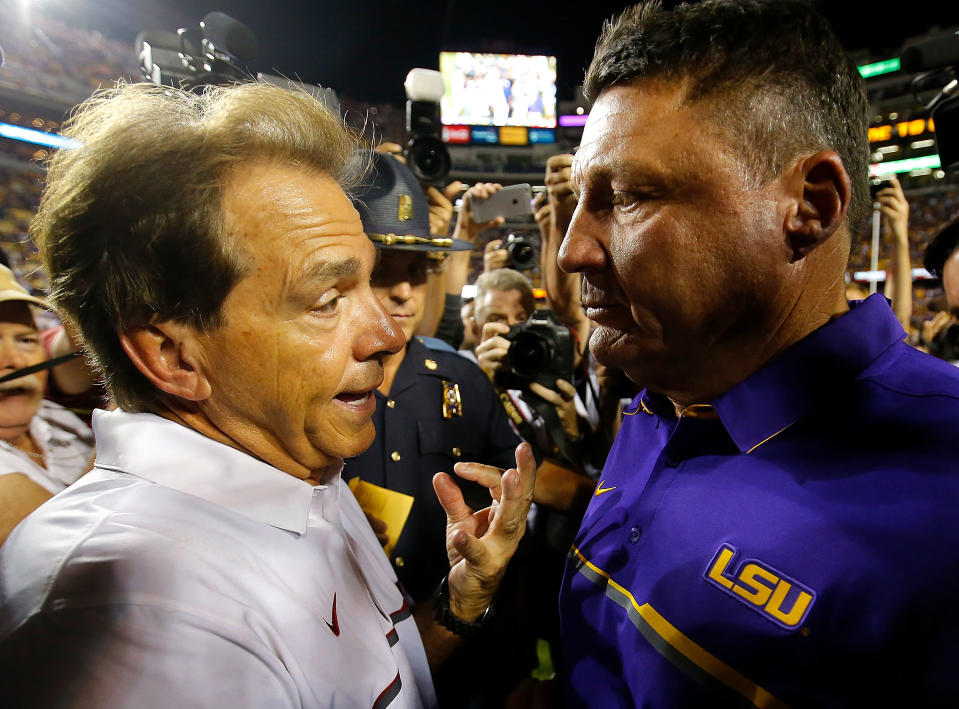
(450, 328)
(504, 299)
(941, 334)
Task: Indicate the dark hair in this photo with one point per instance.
(941, 247)
(774, 71)
(130, 224)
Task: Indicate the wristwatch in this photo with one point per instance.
(445, 617)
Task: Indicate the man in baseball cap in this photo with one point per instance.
(43, 446)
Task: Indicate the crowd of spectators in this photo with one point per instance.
(569, 417)
(46, 56)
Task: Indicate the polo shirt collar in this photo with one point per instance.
(177, 457)
(791, 385)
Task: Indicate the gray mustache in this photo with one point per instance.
(31, 382)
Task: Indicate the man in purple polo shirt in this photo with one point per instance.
(776, 523)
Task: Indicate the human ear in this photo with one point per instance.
(165, 354)
(822, 190)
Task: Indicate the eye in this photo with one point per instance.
(625, 201)
(328, 305)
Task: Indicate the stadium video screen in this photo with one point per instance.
(498, 89)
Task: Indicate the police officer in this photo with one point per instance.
(434, 407)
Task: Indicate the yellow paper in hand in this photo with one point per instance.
(387, 505)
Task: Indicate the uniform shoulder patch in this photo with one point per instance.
(436, 344)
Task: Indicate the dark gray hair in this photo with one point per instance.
(773, 70)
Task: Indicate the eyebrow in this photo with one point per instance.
(298, 285)
(331, 270)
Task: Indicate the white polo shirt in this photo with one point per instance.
(181, 572)
(67, 445)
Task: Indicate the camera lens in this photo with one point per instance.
(521, 254)
(428, 158)
(529, 354)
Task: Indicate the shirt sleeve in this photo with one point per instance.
(450, 329)
(138, 656)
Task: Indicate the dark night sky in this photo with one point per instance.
(364, 48)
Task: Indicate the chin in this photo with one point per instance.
(352, 446)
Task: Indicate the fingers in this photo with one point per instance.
(470, 548)
(517, 495)
(546, 394)
(484, 190)
(563, 394)
(567, 390)
(389, 148)
(437, 199)
(488, 476)
(379, 529)
(492, 329)
(378, 525)
(451, 498)
(556, 163)
(496, 221)
(492, 350)
(452, 189)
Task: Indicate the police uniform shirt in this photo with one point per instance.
(415, 440)
(796, 543)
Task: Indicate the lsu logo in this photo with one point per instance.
(769, 592)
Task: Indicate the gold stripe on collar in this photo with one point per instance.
(409, 239)
(699, 411)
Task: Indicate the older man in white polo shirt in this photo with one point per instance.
(219, 274)
(43, 446)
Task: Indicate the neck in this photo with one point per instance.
(741, 354)
(247, 440)
(13, 434)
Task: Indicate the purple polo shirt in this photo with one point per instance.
(796, 543)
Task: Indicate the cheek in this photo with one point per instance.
(382, 295)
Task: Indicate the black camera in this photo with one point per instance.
(426, 154)
(541, 350)
(522, 256)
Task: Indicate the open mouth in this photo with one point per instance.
(354, 398)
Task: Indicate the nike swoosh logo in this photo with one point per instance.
(335, 625)
(600, 489)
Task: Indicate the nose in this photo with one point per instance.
(12, 355)
(583, 249)
(378, 334)
(401, 291)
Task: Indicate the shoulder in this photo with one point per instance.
(906, 373)
(63, 419)
(113, 538)
(435, 344)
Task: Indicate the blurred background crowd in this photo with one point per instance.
(477, 300)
